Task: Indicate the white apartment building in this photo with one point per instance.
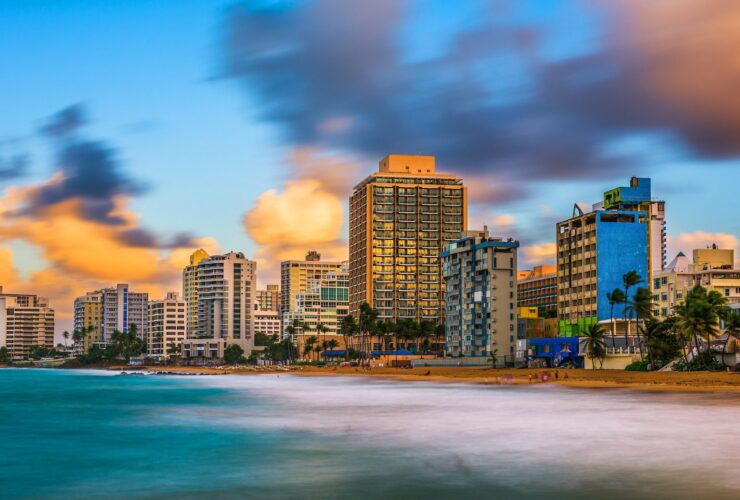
(166, 328)
(226, 293)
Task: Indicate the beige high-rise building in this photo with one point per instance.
(298, 276)
(190, 291)
(400, 219)
(166, 325)
(25, 320)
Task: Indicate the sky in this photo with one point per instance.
(133, 132)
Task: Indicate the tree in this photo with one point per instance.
(614, 297)
(661, 342)
(66, 337)
(234, 354)
(309, 344)
(321, 330)
(174, 350)
(368, 320)
(642, 305)
(125, 344)
(629, 279)
(494, 355)
(732, 330)
(698, 316)
(595, 346)
(5, 356)
(348, 328)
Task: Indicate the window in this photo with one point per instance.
(727, 292)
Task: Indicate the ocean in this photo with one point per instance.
(96, 434)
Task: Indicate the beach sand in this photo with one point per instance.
(580, 378)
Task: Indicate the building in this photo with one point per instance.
(637, 197)
(26, 320)
(118, 309)
(88, 311)
(166, 325)
(538, 287)
(325, 301)
(266, 322)
(595, 249)
(226, 293)
(298, 276)
(269, 298)
(401, 217)
(190, 291)
(480, 295)
(712, 268)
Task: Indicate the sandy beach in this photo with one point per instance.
(653, 381)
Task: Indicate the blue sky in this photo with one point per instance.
(236, 116)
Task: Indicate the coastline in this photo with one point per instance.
(704, 382)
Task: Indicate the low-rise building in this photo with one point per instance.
(266, 322)
(712, 268)
(480, 295)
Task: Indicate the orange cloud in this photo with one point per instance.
(543, 253)
(308, 213)
(81, 254)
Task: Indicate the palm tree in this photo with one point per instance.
(347, 328)
(614, 297)
(698, 316)
(642, 305)
(652, 329)
(66, 338)
(595, 346)
(173, 351)
(367, 322)
(732, 330)
(630, 279)
(494, 354)
(321, 329)
(308, 345)
(332, 344)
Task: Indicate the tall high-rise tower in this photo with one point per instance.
(400, 219)
(190, 291)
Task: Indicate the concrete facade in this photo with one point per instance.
(25, 320)
(480, 296)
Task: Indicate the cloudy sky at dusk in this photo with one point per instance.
(132, 132)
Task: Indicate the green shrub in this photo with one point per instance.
(704, 361)
(637, 366)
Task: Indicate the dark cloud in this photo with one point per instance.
(90, 172)
(12, 167)
(333, 73)
(65, 122)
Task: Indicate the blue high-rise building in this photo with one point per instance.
(623, 233)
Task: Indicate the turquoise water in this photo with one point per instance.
(88, 434)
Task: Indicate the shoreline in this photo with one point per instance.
(695, 382)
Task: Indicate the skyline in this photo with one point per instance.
(119, 158)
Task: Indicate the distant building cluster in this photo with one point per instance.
(411, 258)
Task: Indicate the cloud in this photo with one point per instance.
(501, 99)
(12, 167)
(81, 222)
(688, 241)
(66, 121)
(543, 253)
(286, 224)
